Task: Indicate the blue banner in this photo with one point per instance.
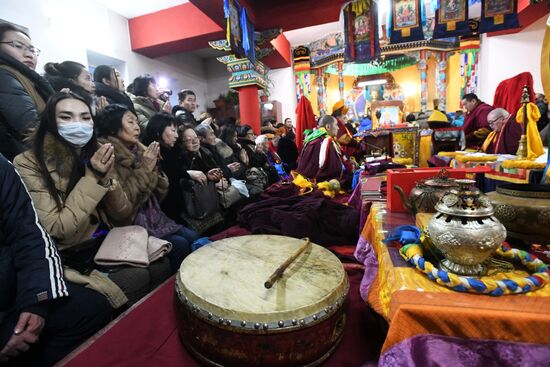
(406, 21)
(451, 19)
(498, 15)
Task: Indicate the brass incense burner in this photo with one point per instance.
(465, 230)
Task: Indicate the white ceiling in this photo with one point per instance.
(303, 36)
(134, 8)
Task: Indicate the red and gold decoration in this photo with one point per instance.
(361, 31)
(498, 15)
(302, 71)
(451, 19)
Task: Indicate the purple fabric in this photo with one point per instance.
(365, 254)
(436, 350)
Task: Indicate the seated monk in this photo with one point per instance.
(321, 158)
(504, 139)
(476, 125)
(349, 146)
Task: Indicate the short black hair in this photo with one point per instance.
(182, 94)
(470, 97)
(109, 121)
(141, 83)
(157, 123)
(103, 71)
(8, 27)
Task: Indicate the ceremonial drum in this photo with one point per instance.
(227, 317)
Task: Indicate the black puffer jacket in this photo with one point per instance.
(30, 268)
(113, 96)
(18, 112)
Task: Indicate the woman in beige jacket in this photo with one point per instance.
(69, 180)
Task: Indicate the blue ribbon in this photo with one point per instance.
(244, 27)
(404, 234)
(226, 8)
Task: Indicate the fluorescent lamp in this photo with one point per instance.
(372, 82)
(268, 106)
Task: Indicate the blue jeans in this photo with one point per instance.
(181, 246)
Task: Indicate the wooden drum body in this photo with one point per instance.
(226, 317)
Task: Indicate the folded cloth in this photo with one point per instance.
(404, 234)
(131, 245)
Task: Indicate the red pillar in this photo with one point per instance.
(249, 107)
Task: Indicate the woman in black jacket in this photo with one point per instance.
(23, 92)
(109, 84)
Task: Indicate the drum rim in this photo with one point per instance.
(333, 297)
(255, 325)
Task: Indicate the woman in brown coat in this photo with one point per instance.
(69, 180)
(144, 185)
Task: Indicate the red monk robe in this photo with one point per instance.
(321, 159)
(505, 140)
(475, 120)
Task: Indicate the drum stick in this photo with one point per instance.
(281, 269)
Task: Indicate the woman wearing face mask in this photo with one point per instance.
(144, 185)
(146, 99)
(109, 84)
(69, 179)
(77, 78)
(23, 92)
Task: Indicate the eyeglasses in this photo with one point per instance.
(23, 47)
(192, 140)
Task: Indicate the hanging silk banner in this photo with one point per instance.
(361, 31)
(239, 30)
(451, 19)
(498, 15)
(302, 70)
(406, 21)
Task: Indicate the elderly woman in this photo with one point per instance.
(69, 179)
(144, 185)
(23, 92)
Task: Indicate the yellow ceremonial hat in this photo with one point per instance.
(438, 116)
(340, 105)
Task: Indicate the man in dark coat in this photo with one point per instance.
(321, 158)
(42, 318)
(188, 105)
(476, 126)
(504, 139)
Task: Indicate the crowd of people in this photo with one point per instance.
(82, 154)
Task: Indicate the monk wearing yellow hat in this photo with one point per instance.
(349, 146)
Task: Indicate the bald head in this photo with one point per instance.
(497, 118)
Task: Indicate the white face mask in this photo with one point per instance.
(76, 133)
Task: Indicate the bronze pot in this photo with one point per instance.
(524, 209)
(427, 193)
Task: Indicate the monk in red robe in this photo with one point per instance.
(350, 147)
(321, 158)
(504, 139)
(476, 126)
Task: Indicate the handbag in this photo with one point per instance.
(81, 256)
(256, 177)
(153, 219)
(131, 245)
(229, 195)
(201, 201)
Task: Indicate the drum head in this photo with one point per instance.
(227, 279)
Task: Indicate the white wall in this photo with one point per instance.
(65, 30)
(503, 57)
(284, 91)
(217, 80)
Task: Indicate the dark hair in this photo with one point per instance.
(243, 130)
(104, 72)
(109, 121)
(470, 97)
(141, 83)
(7, 27)
(157, 124)
(65, 69)
(378, 114)
(227, 134)
(410, 117)
(48, 124)
(184, 93)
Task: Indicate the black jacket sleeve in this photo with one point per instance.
(36, 263)
(17, 108)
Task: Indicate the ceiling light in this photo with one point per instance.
(372, 82)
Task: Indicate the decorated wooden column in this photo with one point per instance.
(247, 78)
(442, 81)
(422, 66)
(320, 92)
(341, 78)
